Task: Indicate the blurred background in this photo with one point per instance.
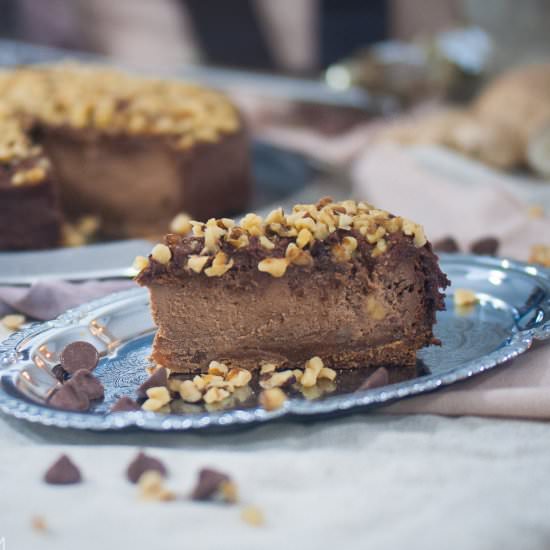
(453, 88)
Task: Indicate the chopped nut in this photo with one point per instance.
(275, 216)
(239, 377)
(214, 395)
(157, 398)
(327, 373)
(266, 243)
(196, 263)
(276, 267)
(229, 492)
(181, 224)
(217, 369)
(304, 237)
(220, 265)
(38, 523)
(311, 372)
(189, 392)
(197, 228)
(272, 399)
(540, 254)
(266, 368)
(13, 321)
(200, 382)
(212, 235)
(298, 374)
(535, 211)
(253, 516)
(278, 379)
(140, 263)
(297, 256)
(151, 487)
(161, 253)
(253, 224)
(464, 297)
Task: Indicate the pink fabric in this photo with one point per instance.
(44, 301)
(392, 178)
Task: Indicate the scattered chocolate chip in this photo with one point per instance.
(380, 377)
(144, 463)
(59, 372)
(87, 383)
(79, 355)
(209, 484)
(68, 397)
(447, 244)
(158, 378)
(125, 404)
(487, 246)
(62, 472)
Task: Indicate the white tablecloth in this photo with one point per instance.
(366, 481)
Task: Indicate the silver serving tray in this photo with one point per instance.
(513, 311)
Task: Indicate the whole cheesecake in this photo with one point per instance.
(345, 281)
(84, 140)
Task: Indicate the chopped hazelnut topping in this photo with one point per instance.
(266, 243)
(275, 216)
(220, 265)
(304, 238)
(181, 224)
(253, 516)
(140, 263)
(217, 369)
(13, 321)
(327, 373)
(535, 211)
(311, 372)
(266, 368)
(151, 487)
(38, 523)
(298, 374)
(157, 398)
(200, 382)
(189, 392)
(196, 263)
(276, 267)
(278, 379)
(161, 253)
(540, 254)
(464, 297)
(214, 395)
(239, 377)
(272, 399)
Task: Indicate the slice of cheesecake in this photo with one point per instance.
(345, 281)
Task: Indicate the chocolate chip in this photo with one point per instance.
(380, 377)
(209, 484)
(158, 378)
(69, 398)
(87, 383)
(447, 244)
(79, 355)
(125, 404)
(62, 472)
(488, 246)
(59, 372)
(143, 463)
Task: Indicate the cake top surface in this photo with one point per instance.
(71, 95)
(309, 234)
